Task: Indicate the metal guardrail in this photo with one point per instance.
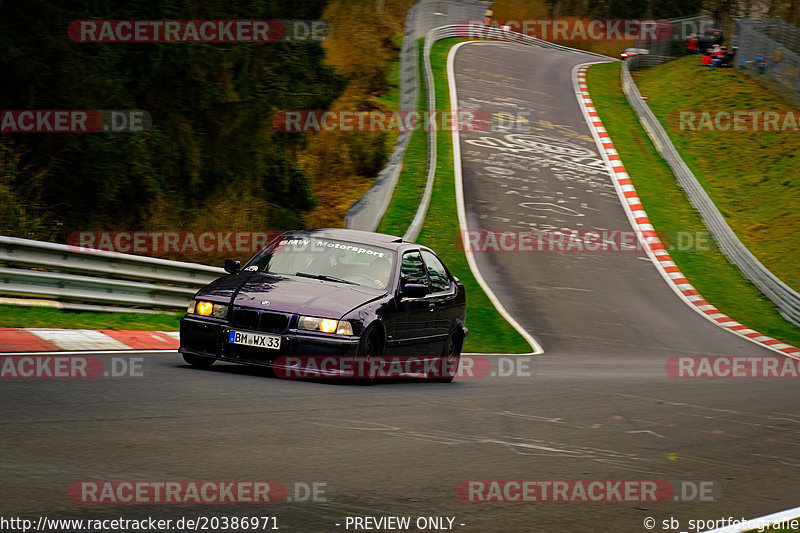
(367, 212)
(642, 61)
(445, 32)
(784, 297)
(69, 273)
(109, 281)
(413, 230)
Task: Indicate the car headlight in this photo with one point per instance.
(325, 325)
(199, 307)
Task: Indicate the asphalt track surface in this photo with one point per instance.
(597, 405)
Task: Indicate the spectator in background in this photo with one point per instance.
(717, 56)
(691, 46)
(706, 60)
(723, 58)
(743, 63)
(702, 44)
(727, 61)
(761, 63)
(777, 57)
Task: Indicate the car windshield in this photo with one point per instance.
(326, 259)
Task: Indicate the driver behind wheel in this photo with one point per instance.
(379, 271)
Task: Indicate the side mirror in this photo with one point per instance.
(232, 266)
(414, 290)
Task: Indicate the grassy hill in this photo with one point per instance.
(667, 206)
(753, 177)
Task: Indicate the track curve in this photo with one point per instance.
(598, 404)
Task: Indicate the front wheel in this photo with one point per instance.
(447, 367)
(198, 361)
(371, 347)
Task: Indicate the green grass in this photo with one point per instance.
(42, 317)
(411, 182)
(410, 185)
(751, 177)
(488, 331)
(391, 100)
(669, 210)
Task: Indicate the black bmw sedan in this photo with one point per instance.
(332, 303)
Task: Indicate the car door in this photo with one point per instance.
(442, 301)
(413, 328)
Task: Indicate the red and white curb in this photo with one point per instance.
(51, 340)
(641, 223)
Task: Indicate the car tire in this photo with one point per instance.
(447, 367)
(198, 361)
(371, 347)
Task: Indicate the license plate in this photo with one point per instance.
(248, 338)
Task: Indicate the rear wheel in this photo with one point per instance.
(198, 361)
(447, 367)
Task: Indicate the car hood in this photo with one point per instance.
(288, 294)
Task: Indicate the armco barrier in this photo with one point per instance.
(367, 212)
(109, 281)
(784, 297)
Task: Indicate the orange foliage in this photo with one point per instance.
(362, 46)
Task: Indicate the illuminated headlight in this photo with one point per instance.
(202, 308)
(325, 325)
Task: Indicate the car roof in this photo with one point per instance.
(363, 237)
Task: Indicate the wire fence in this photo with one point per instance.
(675, 46)
(770, 49)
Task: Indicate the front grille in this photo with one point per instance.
(245, 318)
(260, 320)
(273, 322)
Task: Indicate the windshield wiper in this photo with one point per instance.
(325, 278)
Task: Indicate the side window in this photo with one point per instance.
(440, 280)
(412, 269)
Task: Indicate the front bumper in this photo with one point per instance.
(209, 338)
